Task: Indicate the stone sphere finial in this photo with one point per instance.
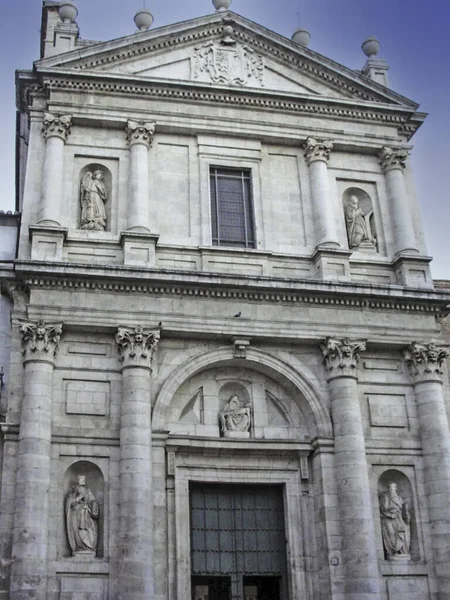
(67, 11)
(371, 46)
(221, 5)
(301, 36)
(143, 19)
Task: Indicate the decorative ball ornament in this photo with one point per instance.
(301, 36)
(67, 11)
(143, 19)
(371, 46)
(221, 5)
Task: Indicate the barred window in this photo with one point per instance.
(232, 208)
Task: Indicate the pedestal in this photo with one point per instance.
(332, 264)
(47, 242)
(139, 248)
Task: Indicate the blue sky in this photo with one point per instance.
(415, 42)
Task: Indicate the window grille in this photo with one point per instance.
(232, 208)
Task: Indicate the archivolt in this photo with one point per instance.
(299, 381)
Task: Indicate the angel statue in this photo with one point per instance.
(93, 197)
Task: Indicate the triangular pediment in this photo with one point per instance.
(224, 50)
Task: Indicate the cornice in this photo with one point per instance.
(252, 289)
(263, 99)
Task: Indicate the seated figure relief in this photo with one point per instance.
(235, 419)
(82, 513)
(359, 230)
(93, 196)
(395, 524)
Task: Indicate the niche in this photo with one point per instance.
(398, 518)
(94, 198)
(235, 416)
(91, 499)
(359, 220)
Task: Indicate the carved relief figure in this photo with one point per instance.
(93, 197)
(82, 514)
(235, 417)
(229, 63)
(358, 225)
(395, 523)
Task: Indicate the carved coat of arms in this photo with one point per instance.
(237, 65)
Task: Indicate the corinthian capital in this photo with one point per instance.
(57, 126)
(40, 340)
(139, 132)
(137, 346)
(342, 357)
(317, 150)
(425, 361)
(393, 158)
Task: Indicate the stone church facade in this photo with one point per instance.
(226, 375)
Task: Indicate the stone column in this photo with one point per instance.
(317, 153)
(136, 349)
(352, 479)
(140, 138)
(393, 162)
(31, 519)
(56, 130)
(425, 367)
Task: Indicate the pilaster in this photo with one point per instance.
(40, 343)
(136, 347)
(393, 163)
(425, 365)
(330, 262)
(352, 479)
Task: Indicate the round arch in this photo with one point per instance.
(299, 381)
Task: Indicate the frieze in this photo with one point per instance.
(230, 63)
(350, 300)
(229, 98)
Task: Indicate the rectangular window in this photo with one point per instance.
(232, 208)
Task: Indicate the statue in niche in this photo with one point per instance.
(358, 226)
(82, 514)
(395, 524)
(93, 197)
(235, 419)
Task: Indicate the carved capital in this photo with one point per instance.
(40, 340)
(425, 361)
(393, 158)
(342, 357)
(137, 346)
(57, 126)
(139, 132)
(317, 150)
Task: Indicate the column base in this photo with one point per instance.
(332, 264)
(139, 248)
(413, 271)
(47, 241)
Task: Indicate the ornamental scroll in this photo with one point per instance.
(231, 65)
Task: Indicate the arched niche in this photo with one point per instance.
(198, 403)
(95, 481)
(299, 383)
(107, 179)
(405, 492)
(359, 220)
